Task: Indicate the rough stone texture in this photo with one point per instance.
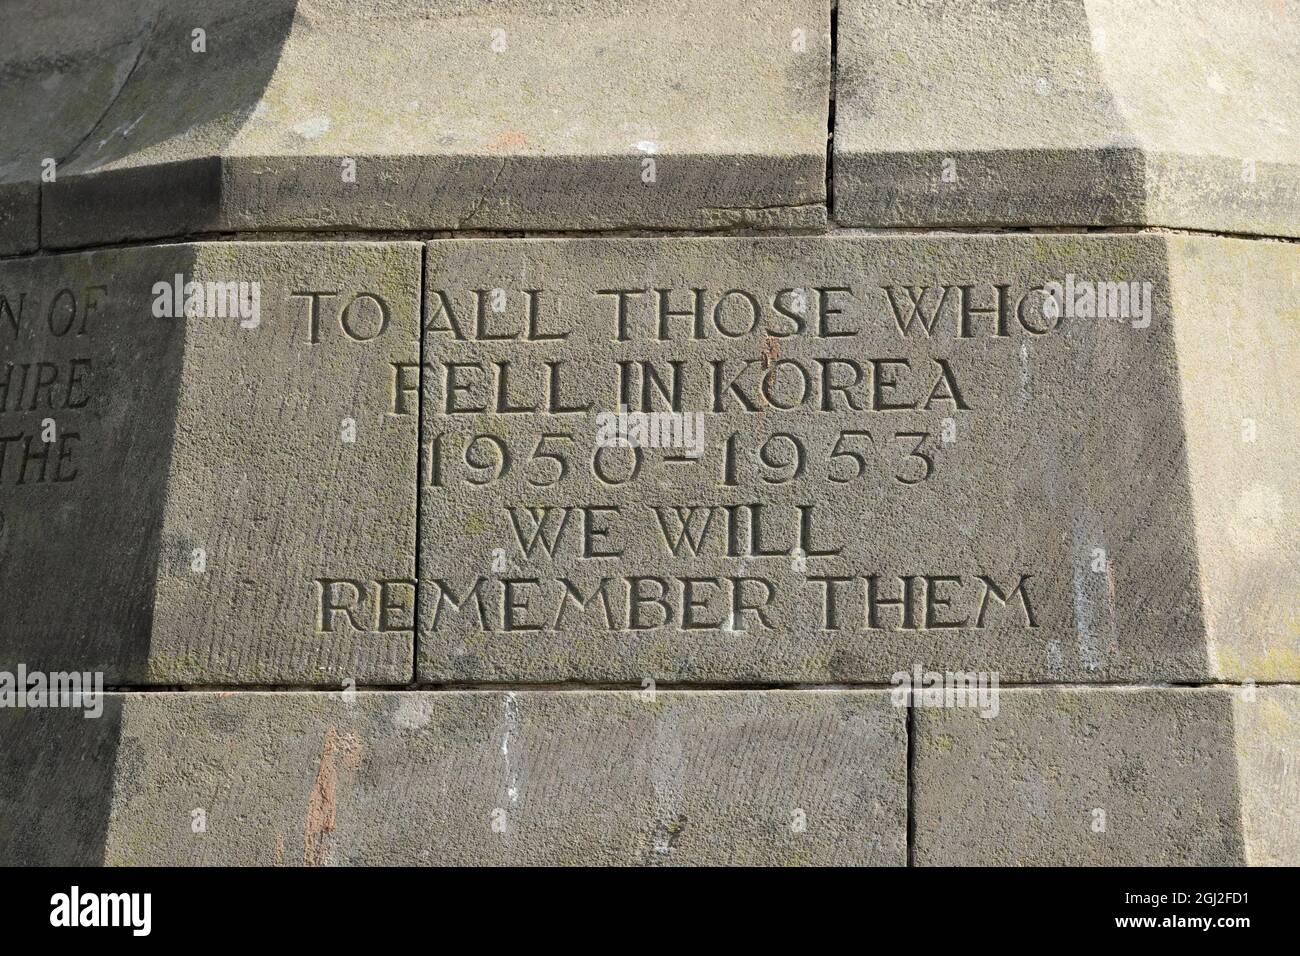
(1186, 777)
(420, 778)
(1237, 357)
(1061, 112)
(175, 436)
(1066, 470)
(56, 81)
(1266, 727)
(18, 217)
(906, 459)
(509, 115)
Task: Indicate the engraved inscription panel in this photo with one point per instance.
(809, 459)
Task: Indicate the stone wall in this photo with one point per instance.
(765, 432)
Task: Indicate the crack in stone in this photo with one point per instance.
(491, 185)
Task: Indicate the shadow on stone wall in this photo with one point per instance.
(80, 521)
(187, 93)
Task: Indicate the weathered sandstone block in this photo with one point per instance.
(182, 494)
(456, 777)
(1111, 776)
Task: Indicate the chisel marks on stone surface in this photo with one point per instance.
(668, 762)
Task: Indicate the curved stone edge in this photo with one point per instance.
(547, 778)
(60, 71)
